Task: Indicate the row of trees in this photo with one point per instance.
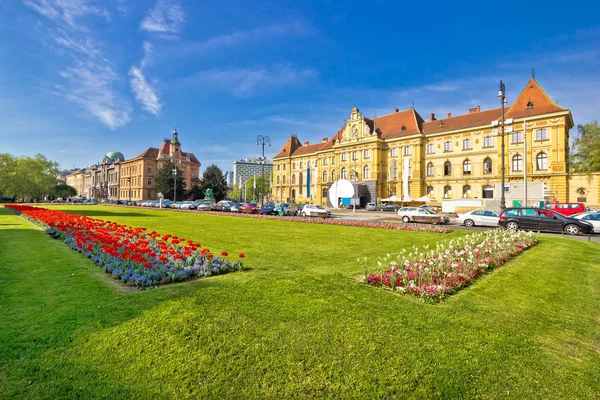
(30, 177)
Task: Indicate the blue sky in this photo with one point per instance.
(80, 78)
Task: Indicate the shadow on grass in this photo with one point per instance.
(99, 213)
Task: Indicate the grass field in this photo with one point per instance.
(297, 324)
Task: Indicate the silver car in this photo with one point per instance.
(478, 218)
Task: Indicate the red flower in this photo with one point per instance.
(209, 255)
(148, 265)
(242, 255)
(224, 253)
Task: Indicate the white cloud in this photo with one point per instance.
(67, 10)
(166, 17)
(144, 93)
(244, 82)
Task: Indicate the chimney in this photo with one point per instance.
(396, 110)
(449, 115)
(306, 143)
(474, 109)
(324, 140)
(431, 117)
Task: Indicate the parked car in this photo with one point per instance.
(250, 208)
(478, 218)
(389, 207)
(223, 205)
(206, 206)
(315, 210)
(542, 219)
(237, 207)
(566, 208)
(371, 207)
(287, 208)
(299, 209)
(419, 214)
(593, 217)
(268, 209)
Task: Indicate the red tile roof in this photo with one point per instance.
(462, 121)
(391, 126)
(289, 147)
(542, 103)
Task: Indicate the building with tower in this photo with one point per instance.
(105, 177)
(403, 155)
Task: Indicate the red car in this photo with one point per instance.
(566, 209)
(250, 208)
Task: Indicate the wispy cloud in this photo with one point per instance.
(91, 80)
(244, 82)
(166, 18)
(143, 91)
(67, 10)
(241, 37)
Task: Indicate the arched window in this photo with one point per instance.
(308, 164)
(488, 192)
(447, 192)
(293, 165)
(466, 167)
(324, 176)
(293, 179)
(430, 191)
(447, 168)
(343, 173)
(278, 193)
(517, 163)
(333, 160)
(366, 172)
(300, 164)
(278, 166)
(283, 194)
(541, 161)
(466, 191)
(333, 176)
(487, 166)
(430, 169)
(284, 179)
(278, 179)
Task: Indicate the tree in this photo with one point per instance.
(33, 177)
(586, 148)
(165, 181)
(253, 191)
(195, 191)
(63, 190)
(214, 179)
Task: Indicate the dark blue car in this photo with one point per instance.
(268, 209)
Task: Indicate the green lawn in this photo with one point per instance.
(296, 324)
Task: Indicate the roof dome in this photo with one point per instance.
(116, 156)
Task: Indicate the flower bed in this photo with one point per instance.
(434, 274)
(130, 254)
(342, 222)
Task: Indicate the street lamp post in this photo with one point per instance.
(262, 140)
(174, 184)
(502, 97)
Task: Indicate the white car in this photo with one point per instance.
(478, 218)
(315, 210)
(593, 217)
(421, 214)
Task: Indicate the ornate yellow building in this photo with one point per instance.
(403, 155)
(138, 174)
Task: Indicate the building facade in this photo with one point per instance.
(138, 175)
(81, 180)
(402, 155)
(249, 168)
(105, 177)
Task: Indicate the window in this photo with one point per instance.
(407, 150)
(284, 180)
(448, 146)
(541, 161)
(343, 174)
(467, 144)
(324, 176)
(487, 142)
(466, 167)
(149, 169)
(332, 176)
(447, 168)
(540, 134)
(430, 191)
(430, 148)
(333, 160)
(487, 166)
(278, 179)
(393, 152)
(149, 181)
(325, 161)
(430, 169)
(447, 192)
(293, 179)
(466, 192)
(517, 137)
(308, 164)
(283, 192)
(344, 156)
(300, 164)
(517, 163)
(278, 166)
(366, 172)
(294, 165)
(355, 155)
(366, 154)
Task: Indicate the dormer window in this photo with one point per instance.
(530, 106)
(403, 128)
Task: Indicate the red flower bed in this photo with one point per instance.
(131, 254)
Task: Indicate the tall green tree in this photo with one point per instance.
(214, 179)
(253, 191)
(32, 177)
(64, 190)
(7, 175)
(585, 156)
(166, 181)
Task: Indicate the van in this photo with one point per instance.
(566, 208)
